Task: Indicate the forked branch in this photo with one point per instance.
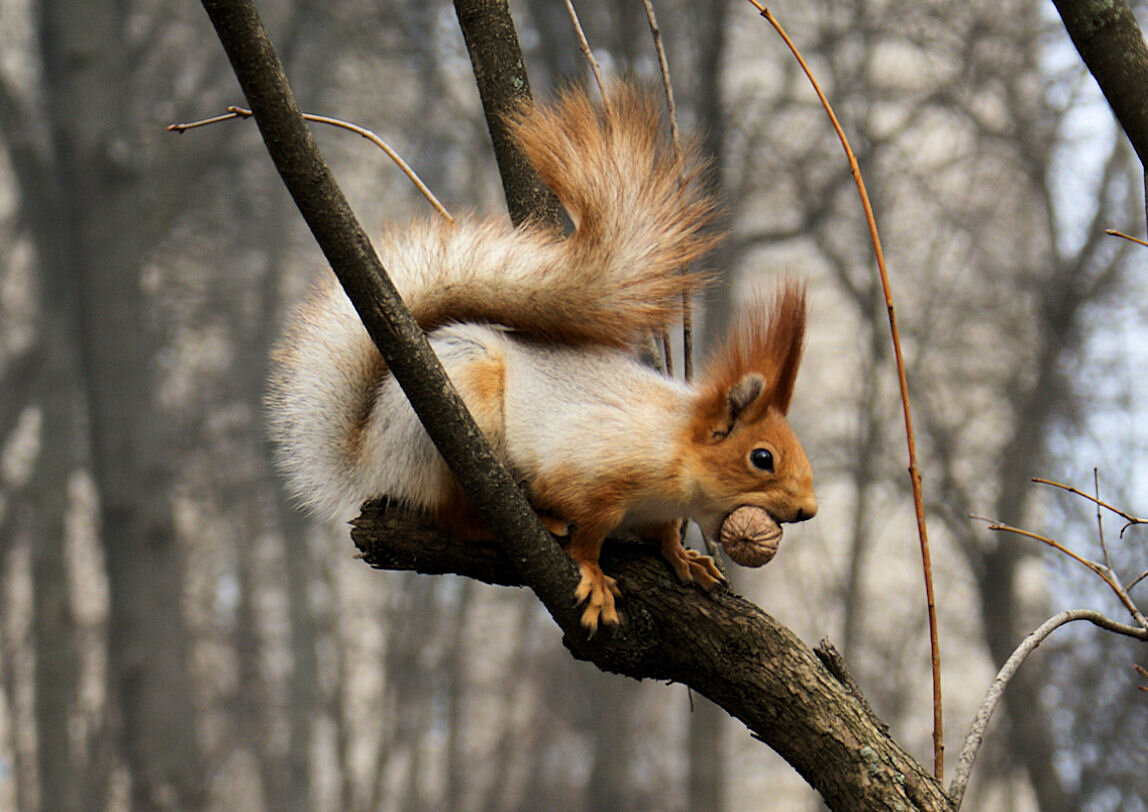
(977, 732)
(1105, 573)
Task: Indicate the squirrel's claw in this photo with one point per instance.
(598, 590)
(692, 566)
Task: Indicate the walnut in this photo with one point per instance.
(750, 536)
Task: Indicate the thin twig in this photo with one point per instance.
(203, 122)
(676, 137)
(1100, 520)
(1128, 517)
(1107, 575)
(1142, 673)
(1111, 232)
(914, 471)
(1098, 569)
(234, 112)
(585, 46)
(664, 66)
(996, 690)
(666, 363)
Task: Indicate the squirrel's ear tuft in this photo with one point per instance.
(756, 368)
(787, 342)
(766, 340)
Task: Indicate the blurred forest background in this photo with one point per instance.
(173, 635)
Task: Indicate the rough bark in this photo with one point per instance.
(717, 643)
(496, 59)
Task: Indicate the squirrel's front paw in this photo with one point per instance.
(690, 565)
(598, 590)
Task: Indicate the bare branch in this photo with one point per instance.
(996, 690)
(1122, 514)
(500, 73)
(717, 643)
(676, 137)
(1111, 232)
(585, 46)
(401, 343)
(1100, 520)
(664, 67)
(234, 112)
(1110, 43)
(1109, 40)
(914, 470)
(1097, 569)
(1105, 574)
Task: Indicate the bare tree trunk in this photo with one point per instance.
(612, 736)
(61, 777)
(456, 680)
(864, 476)
(303, 683)
(55, 391)
(712, 25)
(706, 787)
(99, 226)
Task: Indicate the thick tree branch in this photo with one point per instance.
(1112, 46)
(718, 644)
(1110, 42)
(500, 72)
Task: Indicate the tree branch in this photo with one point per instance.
(1112, 46)
(500, 72)
(717, 643)
(1110, 42)
(977, 733)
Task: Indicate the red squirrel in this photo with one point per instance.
(538, 334)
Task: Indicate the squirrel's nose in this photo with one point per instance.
(806, 512)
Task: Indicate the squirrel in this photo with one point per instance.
(538, 331)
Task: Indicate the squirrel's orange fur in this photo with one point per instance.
(535, 331)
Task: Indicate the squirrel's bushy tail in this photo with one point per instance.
(640, 219)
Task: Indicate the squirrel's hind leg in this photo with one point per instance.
(596, 588)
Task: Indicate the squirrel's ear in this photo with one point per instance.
(743, 394)
(740, 397)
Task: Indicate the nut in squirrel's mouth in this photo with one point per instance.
(750, 536)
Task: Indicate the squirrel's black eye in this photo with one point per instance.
(761, 459)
